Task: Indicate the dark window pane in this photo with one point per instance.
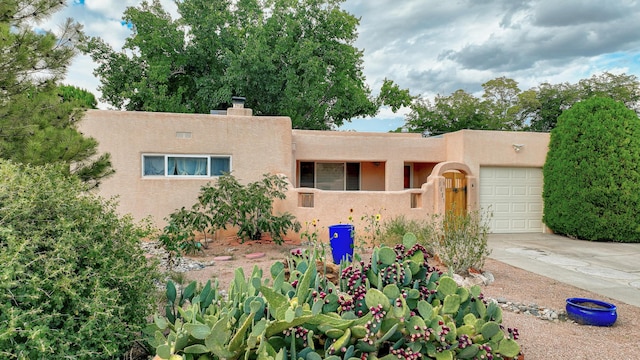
(353, 176)
(407, 176)
(307, 174)
(220, 165)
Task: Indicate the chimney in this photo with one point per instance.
(238, 107)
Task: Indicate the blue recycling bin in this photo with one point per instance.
(341, 241)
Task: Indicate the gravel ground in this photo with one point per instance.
(543, 339)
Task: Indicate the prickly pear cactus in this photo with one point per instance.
(395, 306)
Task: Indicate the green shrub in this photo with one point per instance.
(74, 282)
(395, 307)
(461, 240)
(178, 236)
(592, 173)
(249, 208)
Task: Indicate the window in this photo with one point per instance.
(185, 165)
(330, 175)
(307, 174)
(220, 165)
(353, 176)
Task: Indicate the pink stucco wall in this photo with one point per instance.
(261, 145)
(257, 145)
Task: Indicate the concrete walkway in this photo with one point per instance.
(609, 269)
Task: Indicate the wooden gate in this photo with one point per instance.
(455, 198)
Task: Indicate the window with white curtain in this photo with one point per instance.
(185, 165)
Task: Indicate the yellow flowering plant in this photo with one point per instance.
(372, 227)
(310, 233)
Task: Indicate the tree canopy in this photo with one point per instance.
(293, 58)
(457, 111)
(38, 117)
(504, 106)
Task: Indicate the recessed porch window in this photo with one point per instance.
(337, 176)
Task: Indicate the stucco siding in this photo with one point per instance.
(373, 175)
(353, 146)
(496, 149)
(257, 145)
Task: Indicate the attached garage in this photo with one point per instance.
(514, 195)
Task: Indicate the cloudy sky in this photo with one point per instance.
(437, 47)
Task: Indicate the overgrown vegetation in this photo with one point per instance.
(179, 235)
(592, 173)
(371, 224)
(227, 202)
(460, 241)
(395, 228)
(74, 282)
(395, 307)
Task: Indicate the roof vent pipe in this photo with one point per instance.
(238, 101)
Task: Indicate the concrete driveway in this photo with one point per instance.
(609, 269)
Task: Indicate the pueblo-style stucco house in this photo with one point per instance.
(162, 160)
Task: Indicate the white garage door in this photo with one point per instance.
(514, 195)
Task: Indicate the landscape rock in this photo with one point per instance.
(472, 279)
(531, 309)
(153, 249)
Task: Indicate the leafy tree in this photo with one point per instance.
(500, 99)
(75, 282)
(624, 88)
(38, 118)
(498, 109)
(248, 207)
(391, 95)
(542, 106)
(592, 172)
(84, 98)
(552, 100)
(458, 111)
(287, 58)
(152, 77)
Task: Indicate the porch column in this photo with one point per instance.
(394, 175)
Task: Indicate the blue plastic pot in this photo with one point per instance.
(341, 241)
(591, 312)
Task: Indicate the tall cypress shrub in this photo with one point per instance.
(592, 173)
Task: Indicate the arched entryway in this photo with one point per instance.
(454, 188)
